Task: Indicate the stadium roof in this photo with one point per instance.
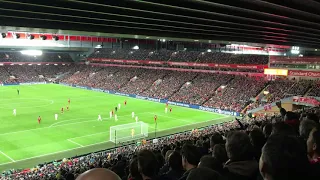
(293, 23)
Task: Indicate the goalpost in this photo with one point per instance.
(128, 132)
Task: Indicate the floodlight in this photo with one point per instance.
(135, 47)
(31, 52)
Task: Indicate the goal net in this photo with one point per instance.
(128, 132)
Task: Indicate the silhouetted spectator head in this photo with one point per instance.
(69, 176)
(314, 117)
(211, 163)
(291, 118)
(216, 138)
(175, 161)
(147, 164)
(203, 174)
(98, 174)
(190, 156)
(238, 146)
(168, 153)
(219, 152)
(267, 129)
(257, 138)
(282, 128)
(313, 144)
(305, 128)
(134, 170)
(284, 157)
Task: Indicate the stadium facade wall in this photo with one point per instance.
(225, 112)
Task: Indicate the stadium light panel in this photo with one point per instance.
(209, 50)
(16, 36)
(56, 38)
(30, 36)
(43, 37)
(31, 52)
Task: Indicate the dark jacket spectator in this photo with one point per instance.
(211, 163)
(257, 140)
(284, 157)
(313, 146)
(241, 164)
(176, 170)
(134, 173)
(148, 165)
(190, 159)
(203, 174)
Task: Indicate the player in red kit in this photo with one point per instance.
(170, 110)
(62, 110)
(125, 102)
(155, 118)
(69, 101)
(39, 120)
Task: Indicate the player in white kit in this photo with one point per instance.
(56, 116)
(166, 110)
(137, 119)
(14, 112)
(119, 105)
(110, 114)
(132, 114)
(115, 117)
(99, 118)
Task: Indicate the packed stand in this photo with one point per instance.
(230, 58)
(138, 84)
(315, 90)
(23, 74)
(185, 56)
(182, 56)
(201, 88)
(45, 57)
(164, 88)
(300, 88)
(83, 76)
(4, 75)
(160, 55)
(236, 95)
(279, 147)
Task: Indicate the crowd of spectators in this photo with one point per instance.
(281, 88)
(139, 84)
(299, 88)
(171, 83)
(45, 57)
(201, 88)
(315, 90)
(182, 56)
(237, 93)
(283, 146)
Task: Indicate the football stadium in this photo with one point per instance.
(159, 90)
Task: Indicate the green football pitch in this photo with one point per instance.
(25, 143)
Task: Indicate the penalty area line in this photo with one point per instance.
(75, 143)
(7, 156)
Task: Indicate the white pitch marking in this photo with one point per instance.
(7, 156)
(57, 152)
(75, 142)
